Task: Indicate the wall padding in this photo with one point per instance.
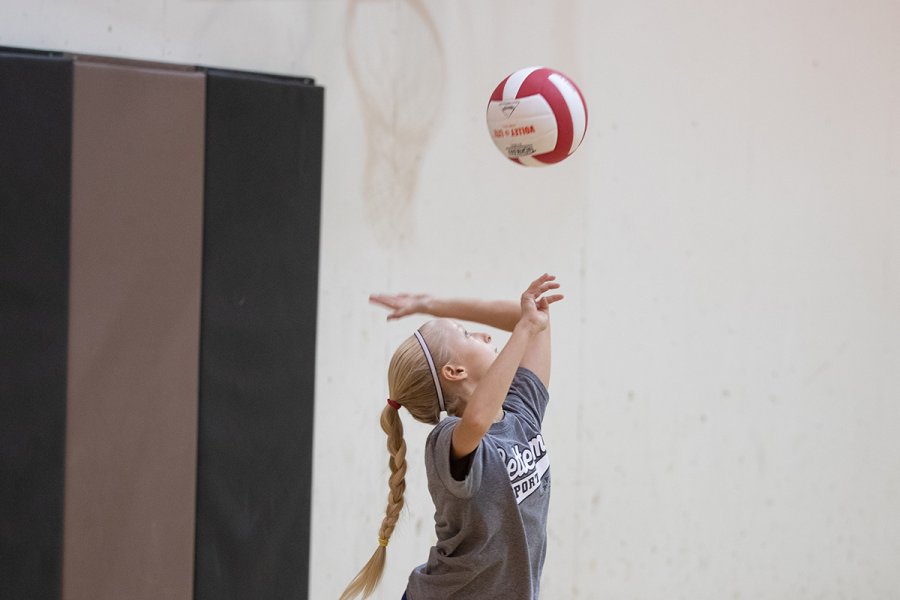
(159, 233)
(137, 209)
(35, 149)
(261, 239)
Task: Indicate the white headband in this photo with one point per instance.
(434, 375)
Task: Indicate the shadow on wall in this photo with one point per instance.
(397, 64)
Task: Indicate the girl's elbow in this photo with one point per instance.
(477, 422)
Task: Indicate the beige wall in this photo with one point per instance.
(727, 364)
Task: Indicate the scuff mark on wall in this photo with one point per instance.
(397, 64)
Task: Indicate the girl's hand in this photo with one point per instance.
(402, 305)
(536, 306)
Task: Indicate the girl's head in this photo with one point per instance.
(459, 359)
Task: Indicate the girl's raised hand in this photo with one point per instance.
(401, 305)
(536, 305)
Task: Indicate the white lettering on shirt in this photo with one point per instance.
(526, 467)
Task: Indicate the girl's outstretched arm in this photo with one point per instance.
(500, 314)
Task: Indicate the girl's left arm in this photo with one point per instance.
(500, 314)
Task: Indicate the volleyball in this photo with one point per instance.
(537, 116)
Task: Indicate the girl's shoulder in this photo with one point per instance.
(527, 397)
(443, 424)
(527, 383)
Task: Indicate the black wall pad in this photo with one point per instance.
(35, 153)
(258, 325)
(30, 52)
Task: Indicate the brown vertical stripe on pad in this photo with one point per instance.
(137, 189)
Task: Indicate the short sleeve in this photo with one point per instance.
(438, 450)
(527, 397)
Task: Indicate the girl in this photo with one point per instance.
(487, 462)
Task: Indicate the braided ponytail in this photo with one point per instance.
(412, 386)
(369, 576)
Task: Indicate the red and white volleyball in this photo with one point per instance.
(537, 116)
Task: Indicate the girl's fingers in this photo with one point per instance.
(549, 285)
(540, 281)
(543, 284)
(538, 287)
(545, 301)
(389, 301)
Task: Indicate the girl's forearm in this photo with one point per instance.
(500, 314)
(488, 397)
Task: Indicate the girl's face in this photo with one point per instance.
(472, 350)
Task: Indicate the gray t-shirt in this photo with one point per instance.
(492, 526)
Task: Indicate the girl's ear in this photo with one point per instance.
(454, 372)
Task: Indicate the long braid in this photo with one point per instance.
(369, 576)
(412, 386)
(396, 445)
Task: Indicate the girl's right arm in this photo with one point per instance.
(488, 397)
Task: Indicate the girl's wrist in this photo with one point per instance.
(527, 327)
(427, 306)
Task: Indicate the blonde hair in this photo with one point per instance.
(412, 386)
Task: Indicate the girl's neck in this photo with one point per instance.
(461, 408)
